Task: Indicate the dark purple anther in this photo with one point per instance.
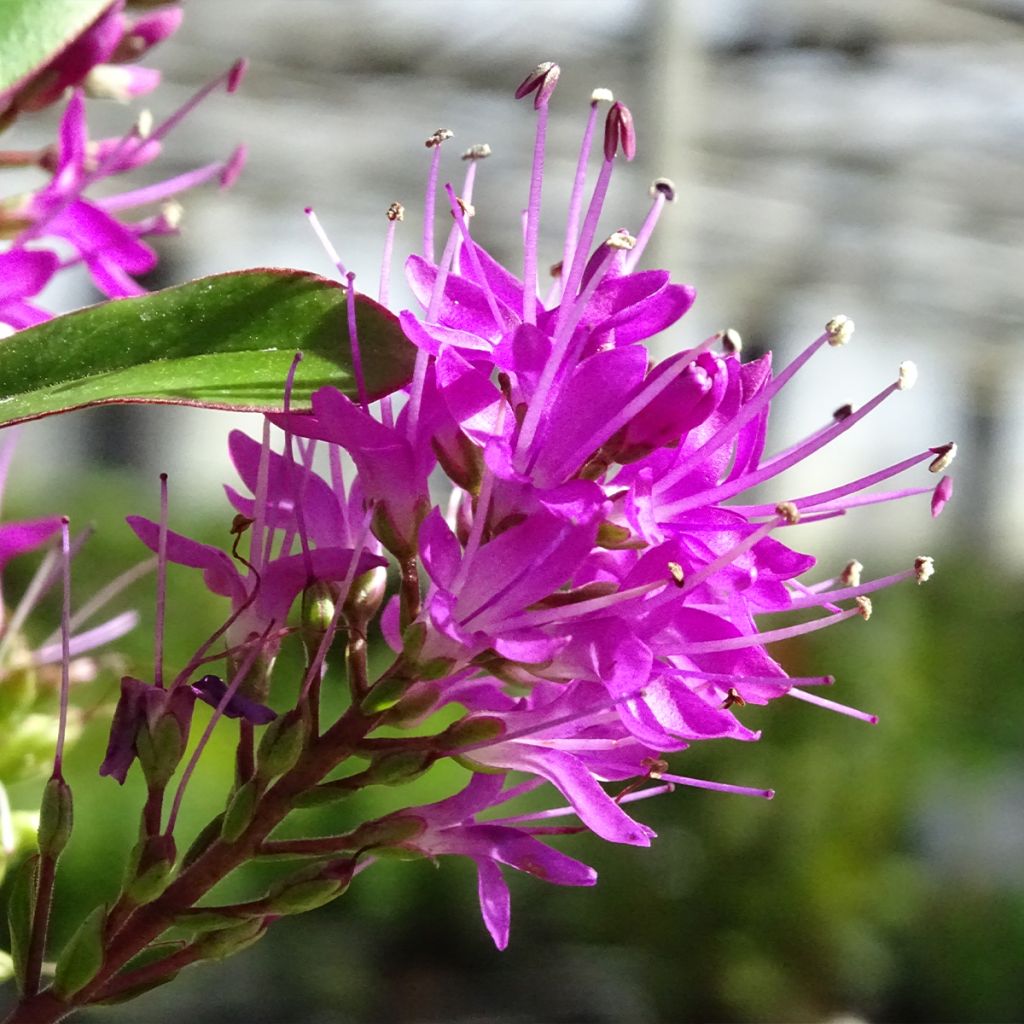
(619, 131)
(542, 80)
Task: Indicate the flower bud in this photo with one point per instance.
(282, 744)
(309, 889)
(226, 942)
(240, 811)
(471, 731)
(82, 957)
(317, 612)
(385, 694)
(397, 767)
(367, 594)
(56, 817)
(150, 868)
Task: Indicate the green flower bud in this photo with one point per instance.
(150, 868)
(240, 811)
(20, 907)
(414, 636)
(367, 594)
(281, 744)
(387, 832)
(56, 817)
(201, 921)
(82, 957)
(385, 694)
(397, 767)
(209, 833)
(298, 896)
(226, 942)
(317, 612)
(470, 731)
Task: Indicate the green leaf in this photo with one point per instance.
(222, 342)
(20, 907)
(33, 32)
(82, 957)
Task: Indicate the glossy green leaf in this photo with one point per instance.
(33, 32)
(223, 342)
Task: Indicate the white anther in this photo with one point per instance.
(732, 341)
(943, 457)
(908, 375)
(441, 135)
(839, 330)
(601, 95)
(172, 213)
(864, 607)
(665, 187)
(851, 574)
(396, 211)
(788, 511)
(144, 124)
(924, 568)
(677, 574)
(621, 240)
(478, 152)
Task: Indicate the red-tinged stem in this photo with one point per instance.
(410, 592)
(40, 923)
(245, 756)
(218, 860)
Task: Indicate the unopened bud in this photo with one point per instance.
(864, 607)
(240, 811)
(908, 375)
(82, 957)
(851, 574)
(397, 767)
(924, 568)
(149, 869)
(788, 512)
(317, 611)
(839, 330)
(56, 817)
(305, 891)
(473, 731)
(225, 942)
(385, 694)
(367, 594)
(945, 454)
(281, 744)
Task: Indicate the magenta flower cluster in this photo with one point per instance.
(59, 225)
(593, 580)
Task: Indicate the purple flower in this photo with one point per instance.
(451, 828)
(595, 575)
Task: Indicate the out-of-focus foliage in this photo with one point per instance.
(886, 879)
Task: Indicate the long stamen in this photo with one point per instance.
(112, 629)
(243, 670)
(165, 189)
(395, 215)
(579, 182)
(718, 787)
(549, 616)
(759, 639)
(744, 415)
(433, 143)
(65, 640)
(299, 509)
(256, 555)
(663, 191)
(472, 156)
(357, 359)
(831, 705)
(161, 588)
(921, 571)
(779, 464)
(332, 253)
